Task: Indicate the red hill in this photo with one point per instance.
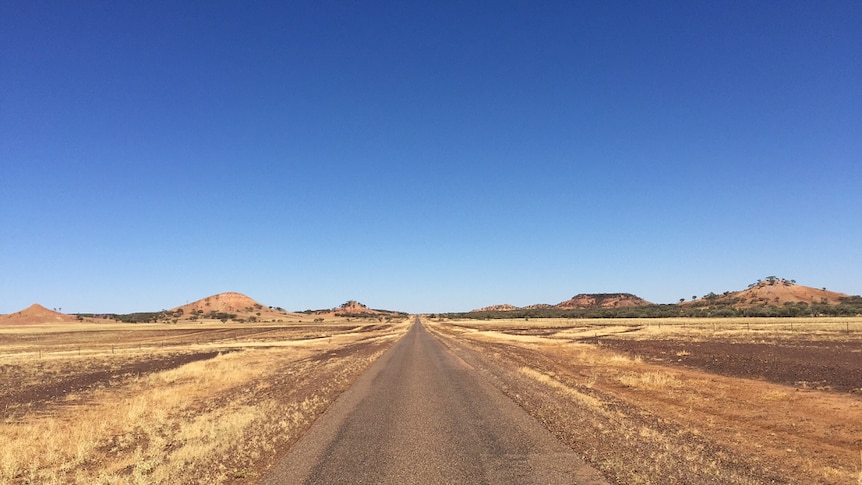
(772, 291)
(229, 302)
(229, 306)
(36, 313)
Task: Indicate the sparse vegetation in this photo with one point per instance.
(654, 419)
(167, 404)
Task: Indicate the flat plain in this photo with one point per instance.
(724, 401)
(155, 403)
(684, 400)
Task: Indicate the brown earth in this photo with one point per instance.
(821, 365)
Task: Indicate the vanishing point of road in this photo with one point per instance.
(421, 415)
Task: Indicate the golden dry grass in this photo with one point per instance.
(584, 399)
(211, 421)
(645, 422)
(695, 329)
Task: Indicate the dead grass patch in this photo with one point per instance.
(580, 397)
(212, 421)
(656, 380)
(662, 424)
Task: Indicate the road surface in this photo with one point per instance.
(421, 415)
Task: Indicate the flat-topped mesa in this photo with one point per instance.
(583, 301)
(602, 300)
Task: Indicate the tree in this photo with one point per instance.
(681, 300)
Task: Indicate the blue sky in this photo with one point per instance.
(425, 157)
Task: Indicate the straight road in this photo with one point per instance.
(421, 415)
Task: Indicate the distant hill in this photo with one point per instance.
(228, 302)
(36, 313)
(770, 297)
(226, 306)
(353, 308)
(582, 301)
(772, 291)
(497, 308)
(602, 300)
(539, 306)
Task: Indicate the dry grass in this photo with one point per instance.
(655, 380)
(584, 399)
(643, 422)
(211, 421)
(695, 329)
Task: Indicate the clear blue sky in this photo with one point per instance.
(425, 157)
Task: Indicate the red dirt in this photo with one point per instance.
(822, 365)
(18, 398)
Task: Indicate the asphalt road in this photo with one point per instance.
(421, 415)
